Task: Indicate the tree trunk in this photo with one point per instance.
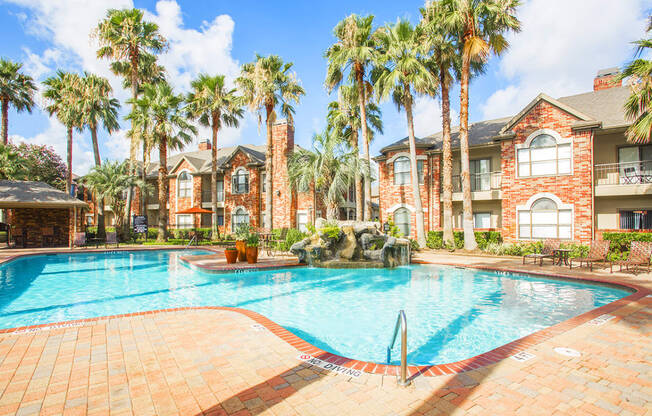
(465, 174)
(101, 228)
(143, 177)
(447, 171)
(5, 121)
(215, 231)
(414, 174)
(269, 172)
(359, 75)
(69, 158)
(162, 191)
(132, 146)
(331, 211)
(359, 215)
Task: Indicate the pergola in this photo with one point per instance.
(40, 215)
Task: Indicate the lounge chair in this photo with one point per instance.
(597, 253)
(547, 252)
(79, 240)
(639, 255)
(111, 239)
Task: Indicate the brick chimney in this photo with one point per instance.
(607, 78)
(205, 144)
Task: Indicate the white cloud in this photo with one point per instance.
(561, 47)
(65, 27)
(428, 116)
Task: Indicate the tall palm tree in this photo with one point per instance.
(354, 51)
(124, 37)
(344, 116)
(159, 112)
(109, 181)
(443, 61)
(17, 90)
(403, 75)
(480, 27)
(63, 95)
(98, 106)
(268, 86)
(216, 106)
(331, 166)
(637, 106)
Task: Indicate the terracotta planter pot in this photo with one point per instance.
(231, 256)
(252, 255)
(241, 246)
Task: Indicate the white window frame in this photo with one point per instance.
(482, 213)
(420, 158)
(560, 207)
(233, 214)
(409, 220)
(299, 225)
(237, 172)
(179, 185)
(560, 142)
(189, 225)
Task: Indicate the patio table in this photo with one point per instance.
(561, 256)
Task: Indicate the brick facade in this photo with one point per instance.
(35, 223)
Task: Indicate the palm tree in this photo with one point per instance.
(638, 104)
(354, 51)
(98, 106)
(109, 181)
(403, 75)
(63, 95)
(331, 166)
(16, 89)
(267, 85)
(443, 61)
(480, 27)
(215, 106)
(124, 37)
(344, 116)
(159, 113)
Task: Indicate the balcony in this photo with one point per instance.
(484, 186)
(206, 199)
(626, 178)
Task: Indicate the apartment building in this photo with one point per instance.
(560, 168)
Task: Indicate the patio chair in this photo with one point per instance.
(639, 255)
(547, 252)
(79, 240)
(47, 236)
(112, 239)
(273, 243)
(597, 253)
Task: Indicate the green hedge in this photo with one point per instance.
(293, 235)
(435, 239)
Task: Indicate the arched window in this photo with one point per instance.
(544, 156)
(402, 221)
(184, 185)
(402, 170)
(240, 216)
(240, 182)
(545, 219)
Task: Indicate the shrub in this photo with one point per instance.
(331, 230)
(435, 239)
(414, 244)
(621, 242)
(293, 235)
(394, 231)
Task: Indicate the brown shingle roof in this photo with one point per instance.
(28, 194)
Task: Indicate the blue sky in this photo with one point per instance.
(561, 47)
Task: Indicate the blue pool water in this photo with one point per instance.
(452, 313)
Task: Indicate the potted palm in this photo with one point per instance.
(241, 235)
(231, 254)
(253, 241)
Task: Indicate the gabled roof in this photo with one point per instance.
(29, 194)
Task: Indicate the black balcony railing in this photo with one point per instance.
(479, 181)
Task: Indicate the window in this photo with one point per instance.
(302, 221)
(544, 157)
(636, 220)
(220, 191)
(240, 216)
(402, 170)
(635, 164)
(184, 221)
(262, 178)
(220, 220)
(480, 174)
(545, 220)
(351, 215)
(350, 197)
(240, 182)
(402, 220)
(185, 185)
(481, 220)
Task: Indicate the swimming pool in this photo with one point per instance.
(453, 313)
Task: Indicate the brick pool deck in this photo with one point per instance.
(223, 362)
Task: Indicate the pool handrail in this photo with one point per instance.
(401, 321)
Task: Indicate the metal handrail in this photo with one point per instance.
(190, 242)
(402, 322)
